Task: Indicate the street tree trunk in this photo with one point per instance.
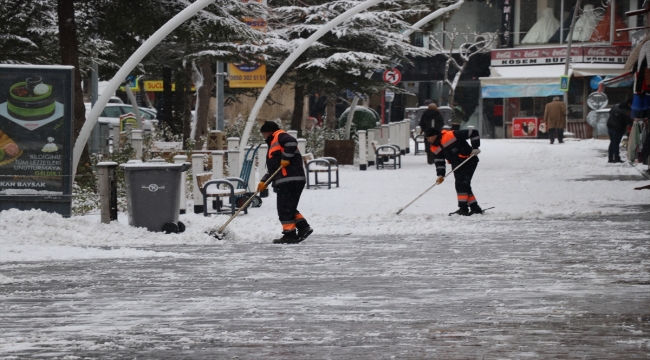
(330, 119)
(69, 51)
(167, 107)
(187, 102)
(298, 105)
(203, 108)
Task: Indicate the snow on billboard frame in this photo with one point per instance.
(36, 122)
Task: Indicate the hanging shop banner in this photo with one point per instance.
(157, 86)
(524, 127)
(543, 56)
(36, 139)
(606, 55)
(557, 55)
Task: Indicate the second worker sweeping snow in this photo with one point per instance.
(452, 146)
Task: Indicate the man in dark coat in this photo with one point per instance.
(619, 120)
(452, 146)
(430, 118)
(288, 183)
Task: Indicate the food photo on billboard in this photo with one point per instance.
(36, 137)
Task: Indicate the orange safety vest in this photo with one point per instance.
(446, 138)
(275, 146)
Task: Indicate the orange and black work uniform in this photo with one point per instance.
(451, 145)
(289, 182)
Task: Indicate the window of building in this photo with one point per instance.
(549, 21)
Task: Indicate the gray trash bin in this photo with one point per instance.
(153, 195)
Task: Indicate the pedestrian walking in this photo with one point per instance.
(452, 146)
(555, 119)
(288, 184)
(619, 120)
(430, 118)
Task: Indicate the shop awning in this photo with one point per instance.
(523, 81)
(598, 69)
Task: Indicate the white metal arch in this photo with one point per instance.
(125, 70)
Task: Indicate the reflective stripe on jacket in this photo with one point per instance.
(451, 145)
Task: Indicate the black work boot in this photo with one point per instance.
(475, 209)
(462, 211)
(304, 232)
(288, 238)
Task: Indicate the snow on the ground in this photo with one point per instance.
(522, 179)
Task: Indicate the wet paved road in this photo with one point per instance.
(555, 289)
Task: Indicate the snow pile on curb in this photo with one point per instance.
(523, 179)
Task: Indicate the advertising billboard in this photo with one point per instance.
(36, 139)
(525, 127)
(249, 75)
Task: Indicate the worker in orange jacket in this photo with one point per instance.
(288, 183)
(452, 146)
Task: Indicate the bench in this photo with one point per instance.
(385, 152)
(321, 165)
(220, 188)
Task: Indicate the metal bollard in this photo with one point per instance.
(302, 146)
(217, 164)
(362, 150)
(107, 191)
(261, 160)
(233, 143)
(384, 133)
(181, 159)
(197, 168)
(371, 137)
(234, 163)
(136, 143)
(403, 135)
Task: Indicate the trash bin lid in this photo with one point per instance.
(154, 166)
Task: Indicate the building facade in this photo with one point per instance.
(523, 71)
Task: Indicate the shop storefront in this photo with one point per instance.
(527, 79)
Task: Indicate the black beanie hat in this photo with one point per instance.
(431, 132)
(269, 126)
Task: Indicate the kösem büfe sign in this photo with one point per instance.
(557, 55)
(36, 138)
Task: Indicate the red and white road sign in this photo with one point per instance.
(392, 76)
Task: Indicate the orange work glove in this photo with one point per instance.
(284, 163)
(440, 180)
(261, 186)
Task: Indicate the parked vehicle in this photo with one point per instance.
(115, 100)
(112, 112)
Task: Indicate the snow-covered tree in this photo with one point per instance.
(28, 29)
(462, 47)
(341, 59)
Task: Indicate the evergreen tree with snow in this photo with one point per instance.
(341, 59)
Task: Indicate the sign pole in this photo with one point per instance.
(568, 56)
(383, 106)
